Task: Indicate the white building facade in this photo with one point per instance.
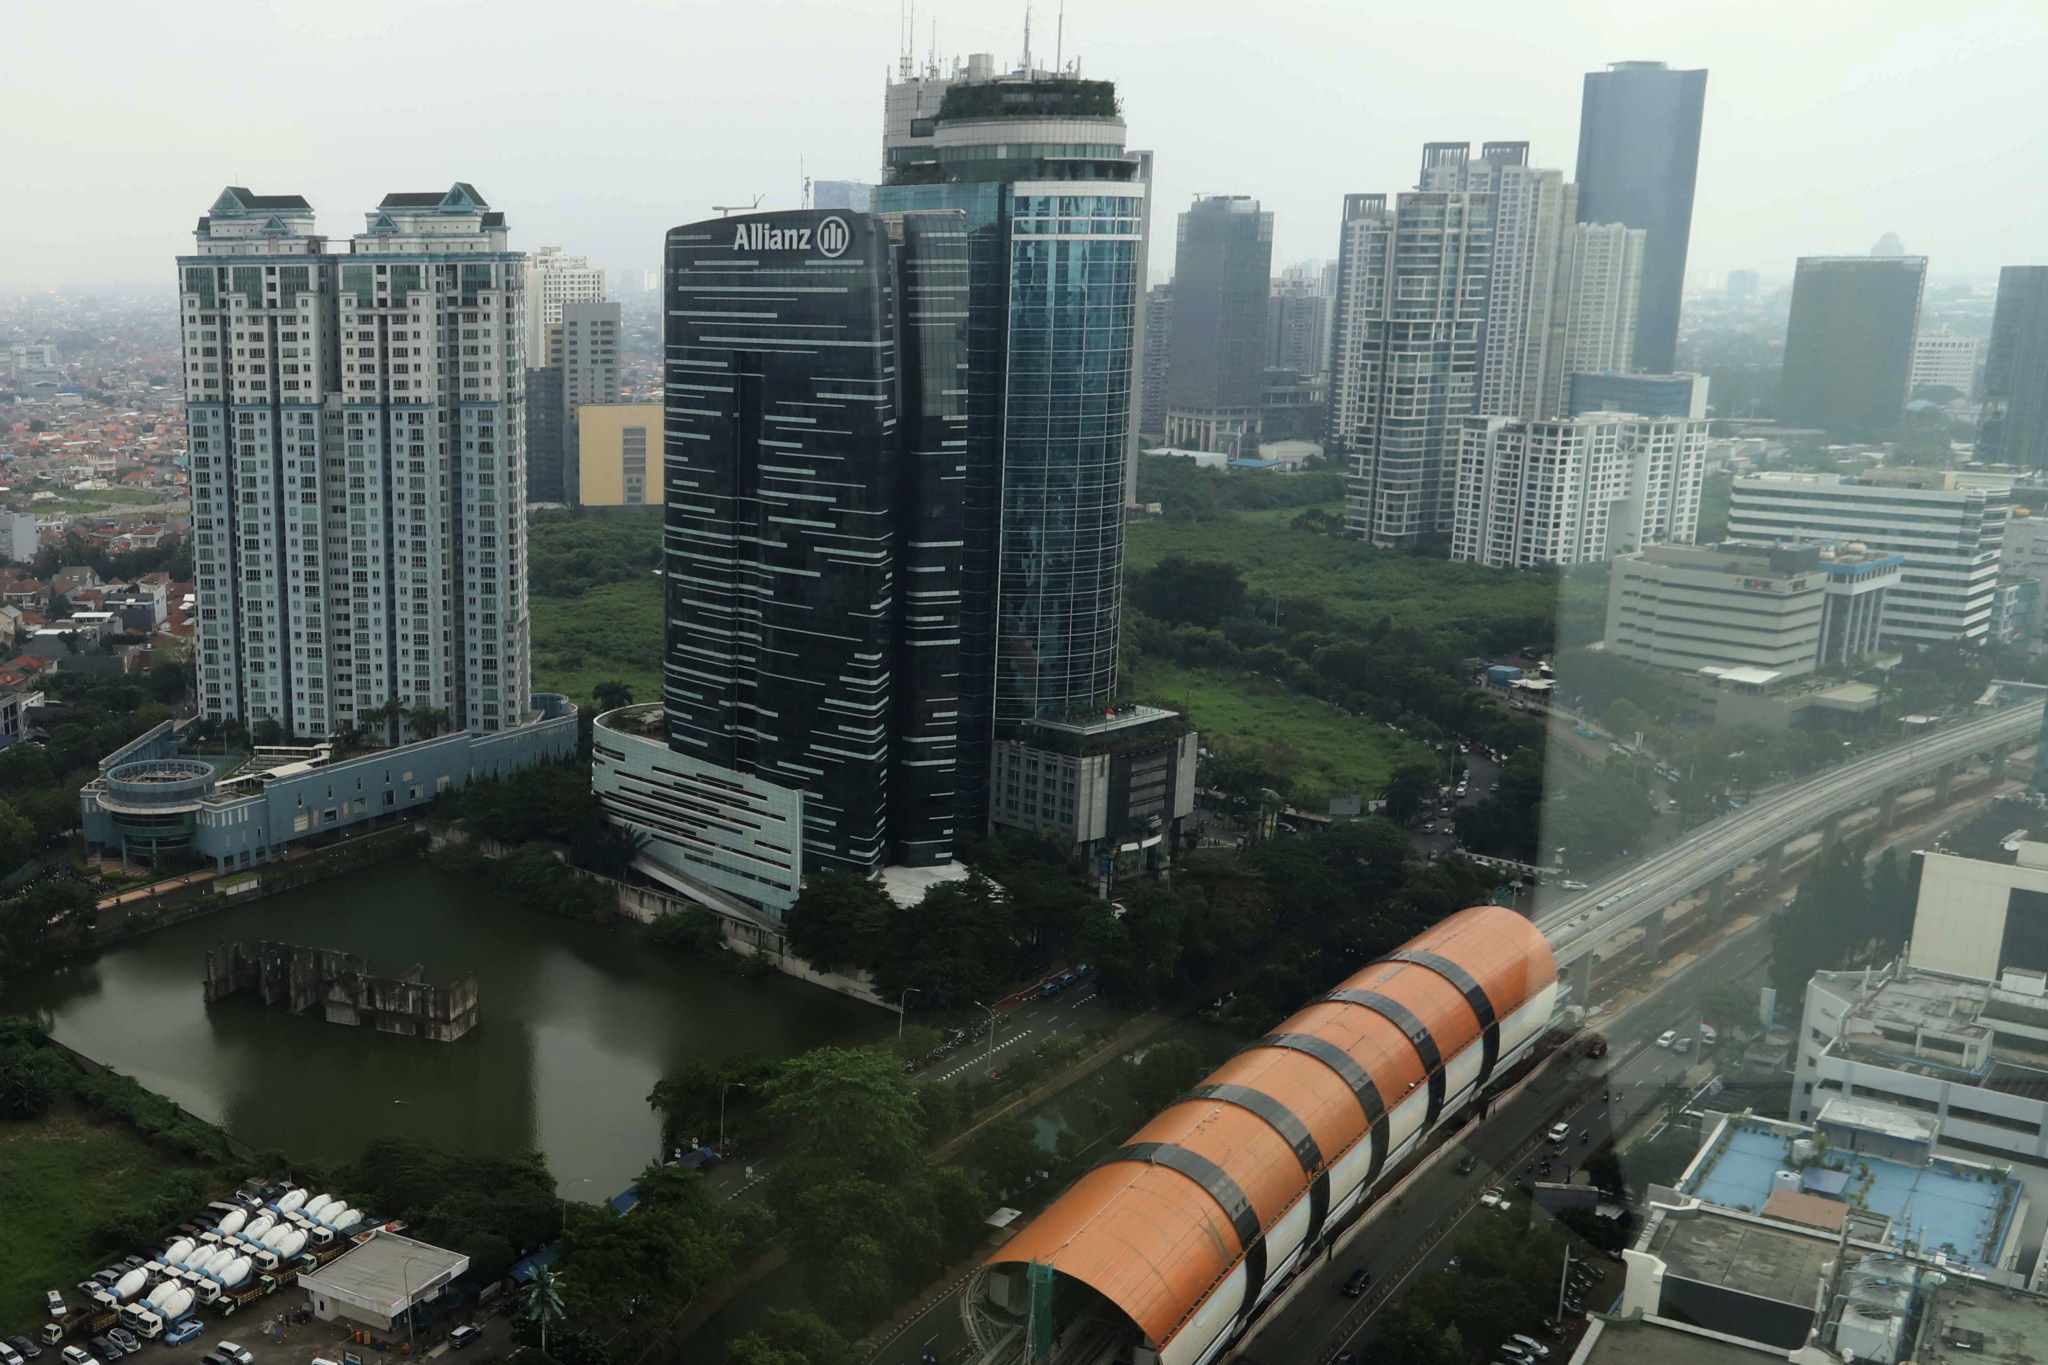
(357, 448)
(1604, 288)
(554, 278)
(1575, 490)
(1945, 359)
(1951, 538)
(1783, 609)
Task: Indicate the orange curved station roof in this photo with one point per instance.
(1154, 1237)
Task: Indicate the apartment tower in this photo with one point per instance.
(355, 415)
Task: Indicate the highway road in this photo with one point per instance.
(1579, 925)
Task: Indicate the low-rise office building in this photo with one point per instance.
(1950, 537)
(1801, 1238)
(1114, 787)
(1787, 609)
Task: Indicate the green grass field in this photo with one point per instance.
(59, 1176)
(613, 631)
(1354, 581)
(1329, 753)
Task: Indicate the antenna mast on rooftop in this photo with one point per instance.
(1027, 37)
(1059, 42)
(906, 24)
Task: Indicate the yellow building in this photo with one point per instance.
(619, 459)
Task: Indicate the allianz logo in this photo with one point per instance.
(830, 239)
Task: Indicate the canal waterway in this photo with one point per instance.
(576, 1022)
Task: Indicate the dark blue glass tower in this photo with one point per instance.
(1055, 214)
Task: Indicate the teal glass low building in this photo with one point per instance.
(154, 802)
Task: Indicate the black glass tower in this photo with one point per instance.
(1639, 153)
(2014, 426)
(815, 459)
(1222, 271)
(1849, 344)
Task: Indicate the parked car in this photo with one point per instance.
(1355, 1283)
(464, 1335)
(1510, 1351)
(182, 1331)
(1530, 1344)
(234, 1352)
(24, 1348)
(124, 1339)
(106, 1350)
(214, 1357)
(8, 1355)
(76, 1355)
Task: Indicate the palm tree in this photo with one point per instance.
(426, 721)
(544, 1304)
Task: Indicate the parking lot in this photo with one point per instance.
(266, 1331)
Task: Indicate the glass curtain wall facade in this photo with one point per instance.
(1849, 344)
(2014, 425)
(1055, 248)
(1639, 153)
(814, 459)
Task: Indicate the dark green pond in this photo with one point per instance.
(576, 1023)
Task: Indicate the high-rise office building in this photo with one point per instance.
(584, 346)
(1741, 287)
(1575, 490)
(358, 484)
(1158, 343)
(2014, 425)
(812, 676)
(1849, 344)
(1639, 152)
(1951, 538)
(1222, 268)
(1055, 212)
(554, 278)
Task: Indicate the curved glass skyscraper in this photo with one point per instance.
(1055, 209)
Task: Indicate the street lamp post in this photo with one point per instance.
(721, 1111)
(405, 1278)
(993, 1020)
(901, 1000)
(1563, 1278)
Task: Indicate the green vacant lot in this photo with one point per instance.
(60, 1176)
(1357, 583)
(1329, 753)
(613, 630)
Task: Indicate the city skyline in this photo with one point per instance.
(601, 172)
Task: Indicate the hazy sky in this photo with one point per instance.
(598, 124)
